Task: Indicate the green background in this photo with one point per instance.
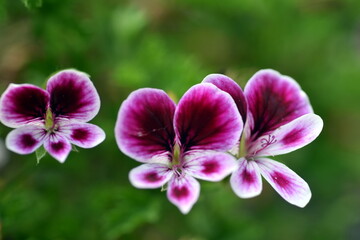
(172, 45)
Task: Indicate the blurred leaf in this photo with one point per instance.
(32, 4)
(40, 153)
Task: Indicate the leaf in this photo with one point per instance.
(32, 4)
(40, 153)
(74, 148)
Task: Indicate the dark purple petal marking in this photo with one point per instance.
(21, 104)
(180, 192)
(144, 127)
(230, 86)
(150, 175)
(73, 96)
(210, 166)
(183, 191)
(273, 101)
(281, 180)
(57, 146)
(246, 180)
(25, 139)
(294, 136)
(84, 135)
(247, 176)
(80, 134)
(286, 182)
(207, 119)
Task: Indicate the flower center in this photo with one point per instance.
(50, 125)
(176, 163)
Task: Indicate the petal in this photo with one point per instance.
(73, 96)
(207, 119)
(246, 180)
(21, 104)
(84, 135)
(273, 101)
(183, 192)
(288, 138)
(58, 147)
(286, 182)
(210, 166)
(25, 139)
(150, 175)
(144, 126)
(231, 87)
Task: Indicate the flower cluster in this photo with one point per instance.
(215, 130)
(55, 117)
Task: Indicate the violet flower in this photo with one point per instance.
(179, 143)
(279, 119)
(55, 117)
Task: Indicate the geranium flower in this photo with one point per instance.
(55, 117)
(279, 119)
(179, 143)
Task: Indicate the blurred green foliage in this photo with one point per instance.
(173, 44)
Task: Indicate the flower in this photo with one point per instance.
(178, 143)
(279, 119)
(55, 117)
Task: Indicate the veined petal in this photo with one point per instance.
(273, 101)
(22, 104)
(144, 126)
(73, 96)
(231, 87)
(150, 175)
(58, 147)
(183, 192)
(212, 166)
(84, 135)
(207, 119)
(246, 180)
(286, 182)
(25, 139)
(294, 135)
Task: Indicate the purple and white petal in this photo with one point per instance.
(84, 135)
(150, 175)
(144, 127)
(25, 139)
(22, 104)
(207, 119)
(246, 180)
(212, 166)
(73, 96)
(57, 146)
(183, 191)
(286, 182)
(274, 100)
(231, 87)
(294, 135)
